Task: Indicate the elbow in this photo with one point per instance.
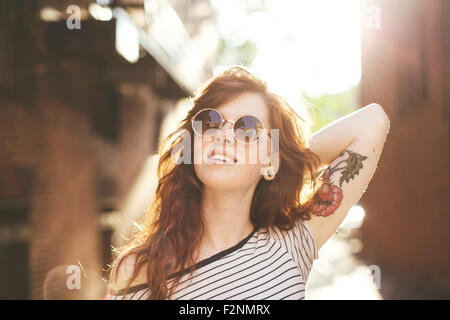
(379, 113)
(380, 117)
(377, 121)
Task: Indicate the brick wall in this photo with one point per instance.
(51, 140)
(56, 143)
(77, 124)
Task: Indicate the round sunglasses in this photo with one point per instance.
(246, 129)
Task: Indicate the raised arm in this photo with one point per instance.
(349, 149)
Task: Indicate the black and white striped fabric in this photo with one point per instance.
(267, 264)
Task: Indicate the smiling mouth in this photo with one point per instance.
(221, 159)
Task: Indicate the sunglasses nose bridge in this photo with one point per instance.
(230, 121)
(226, 132)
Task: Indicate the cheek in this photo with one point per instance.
(198, 149)
(255, 156)
(264, 153)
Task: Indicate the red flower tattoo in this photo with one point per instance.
(329, 197)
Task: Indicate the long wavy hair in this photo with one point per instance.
(171, 229)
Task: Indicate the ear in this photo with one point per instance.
(270, 172)
(275, 162)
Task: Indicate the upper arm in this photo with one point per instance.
(121, 274)
(345, 180)
(121, 271)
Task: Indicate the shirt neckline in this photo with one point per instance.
(216, 256)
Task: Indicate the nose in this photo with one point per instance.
(225, 134)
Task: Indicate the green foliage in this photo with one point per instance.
(329, 107)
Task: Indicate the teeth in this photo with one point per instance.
(221, 157)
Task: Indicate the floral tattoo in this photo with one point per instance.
(329, 196)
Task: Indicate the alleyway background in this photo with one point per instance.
(88, 88)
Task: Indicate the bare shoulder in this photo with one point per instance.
(121, 273)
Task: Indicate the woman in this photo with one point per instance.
(226, 226)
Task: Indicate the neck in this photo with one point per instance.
(226, 215)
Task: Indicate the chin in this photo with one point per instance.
(226, 177)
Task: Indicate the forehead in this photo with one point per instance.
(248, 103)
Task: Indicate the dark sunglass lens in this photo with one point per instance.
(248, 129)
(207, 119)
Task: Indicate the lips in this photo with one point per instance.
(220, 157)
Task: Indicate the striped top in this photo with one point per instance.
(268, 264)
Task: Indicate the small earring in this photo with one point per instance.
(269, 173)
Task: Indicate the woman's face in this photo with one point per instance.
(249, 159)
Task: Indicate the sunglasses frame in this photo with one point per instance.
(233, 122)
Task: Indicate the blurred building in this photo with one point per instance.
(406, 69)
(81, 110)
